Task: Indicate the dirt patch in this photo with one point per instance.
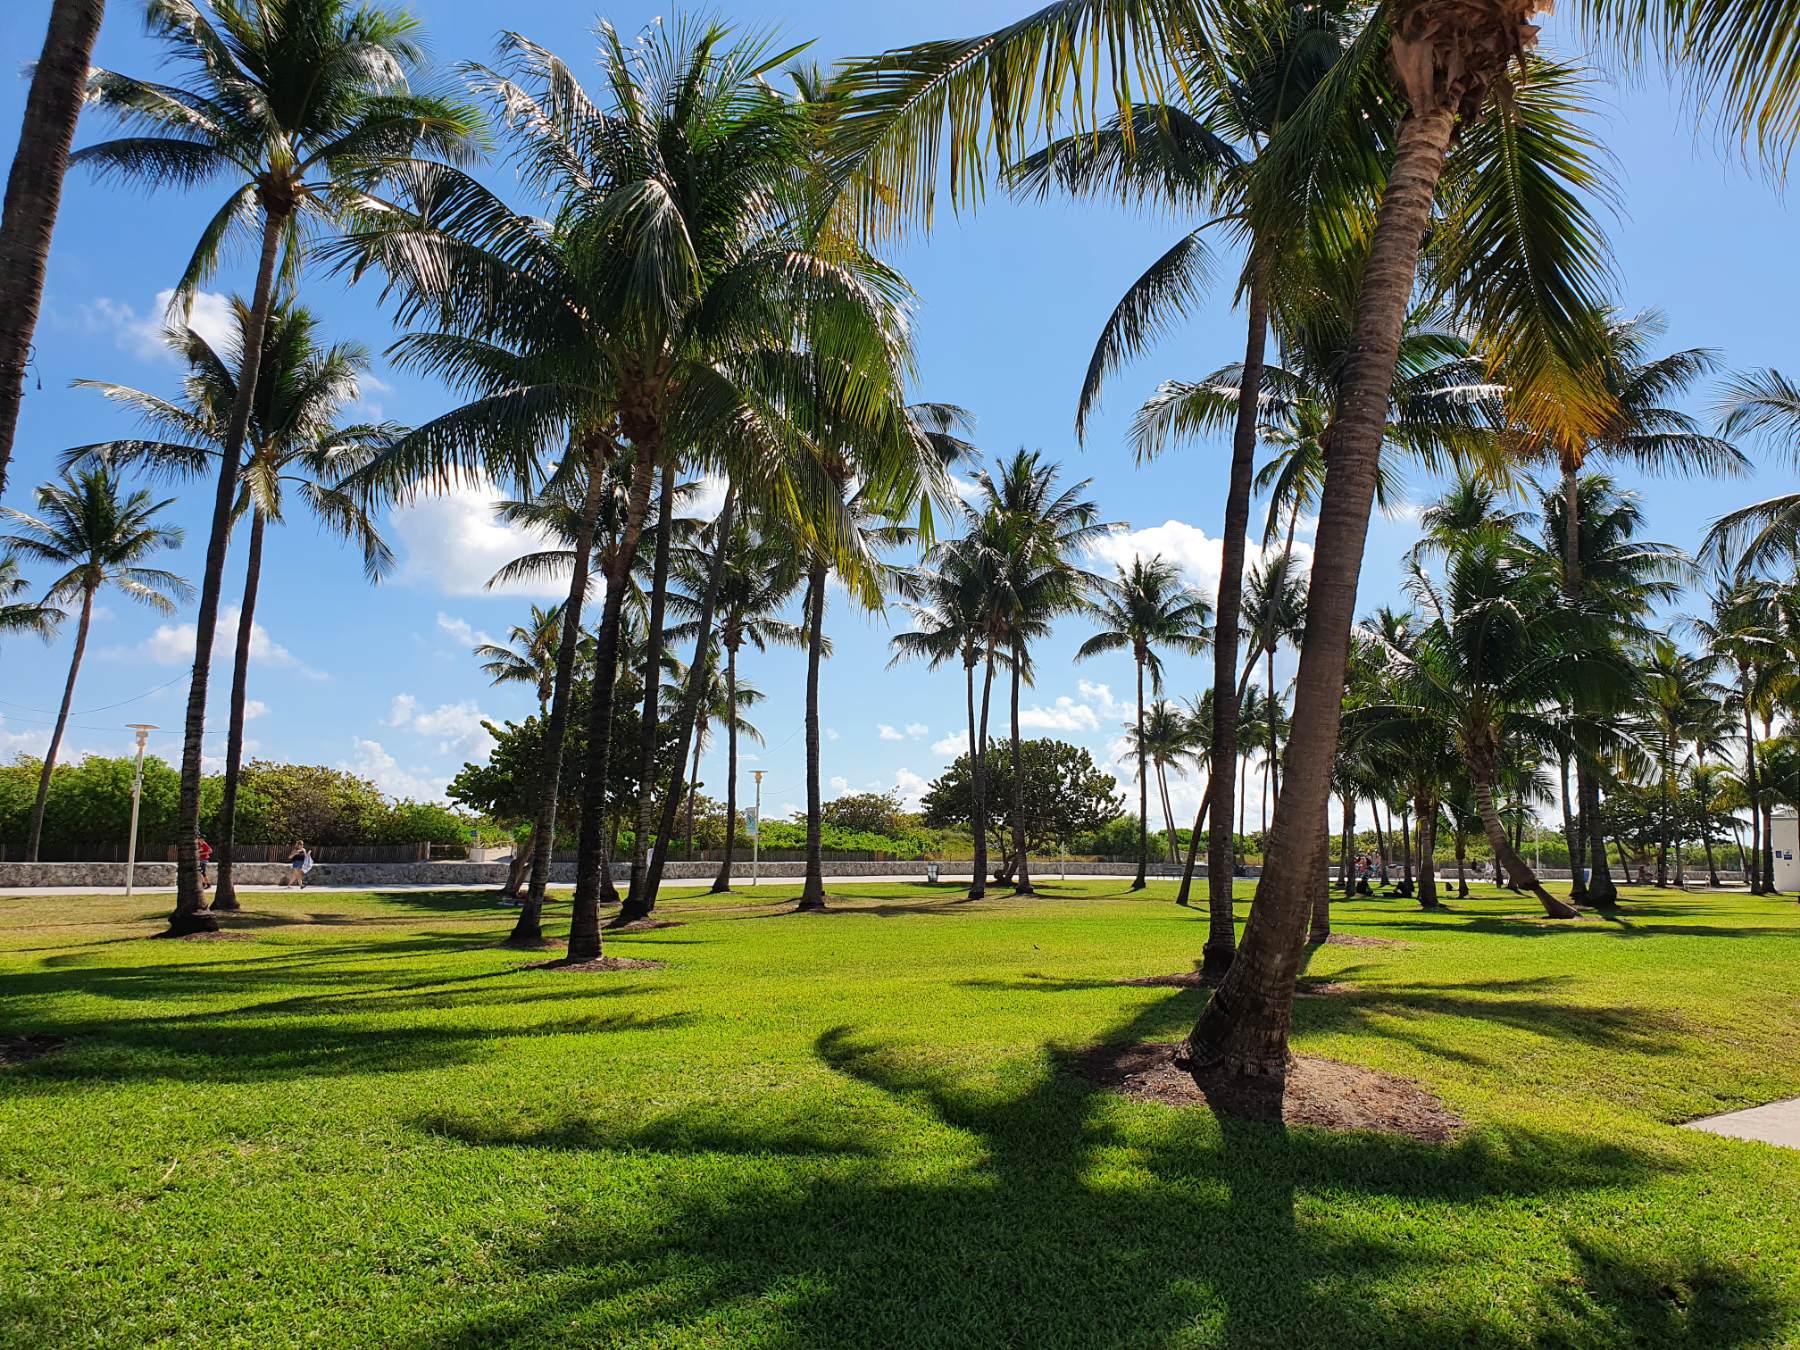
(643, 925)
(1358, 940)
(1319, 1093)
(598, 966)
(24, 1049)
(218, 935)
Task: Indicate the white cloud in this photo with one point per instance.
(1189, 547)
(32, 741)
(911, 788)
(255, 708)
(457, 727)
(453, 543)
(142, 334)
(917, 731)
(707, 500)
(953, 744)
(840, 785)
(370, 409)
(373, 762)
(831, 733)
(463, 631)
(1064, 715)
(885, 732)
(172, 644)
(1102, 694)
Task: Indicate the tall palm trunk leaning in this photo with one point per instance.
(528, 929)
(639, 900)
(34, 194)
(225, 836)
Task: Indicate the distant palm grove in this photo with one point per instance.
(1399, 200)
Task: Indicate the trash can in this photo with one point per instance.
(931, 873)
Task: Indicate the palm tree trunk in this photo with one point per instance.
(528, 930)
(638, 903)
(1347, 873)
(1406, 854)
(812, 891)
(1712, 867)
(1737, 836)
(1319, 893)
(1022, 879)
(1462, 855)
(1759, 842)
(1572, 835)
(1426, 835)
(1481, 770)
(1380, 840)
(34, 194)
(1662, 827)
(1193, 852)
(979, 886)
(1245, 1024)
(693, 787)
(225, 837)
(1601, 891)
(722, 882)
(1221, 930)
(1273, 771)
(190, 914)
(1162, 782)
(1768, 852)
(977, 869)
(62, 718)
(592, 864)
(1143, 866)
(687, 717)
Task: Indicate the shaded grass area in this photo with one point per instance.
(371, 1124)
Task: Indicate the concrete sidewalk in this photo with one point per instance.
(947, 881)
(1777, 1123)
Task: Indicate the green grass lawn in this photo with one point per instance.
(370, 1126)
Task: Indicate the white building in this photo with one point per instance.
(1785, 841)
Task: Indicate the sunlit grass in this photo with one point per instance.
(369, 1125)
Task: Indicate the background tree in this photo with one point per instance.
(18, 615)
(528, 656)
(302, 104)
(1064, 795)
(99, 537)
(1144, 608)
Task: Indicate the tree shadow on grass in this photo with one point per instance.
(1067, 1217)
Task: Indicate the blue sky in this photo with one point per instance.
(380, 680)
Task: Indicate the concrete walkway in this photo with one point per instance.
(1776, 1123)
(740, 883)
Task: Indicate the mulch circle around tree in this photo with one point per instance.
(598, 966)
(1319, 1093)
(24, 1049)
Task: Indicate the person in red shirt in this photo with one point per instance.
(204, 849)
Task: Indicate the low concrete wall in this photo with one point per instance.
(14, 876)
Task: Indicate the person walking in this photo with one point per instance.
(299, 864)
(203, 851)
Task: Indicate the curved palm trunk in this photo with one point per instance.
(1143, 867)
(62, 719)
(1221, 932)
(189, 914)
(1481, 770)
(688, 715)
(1245, 1024)
(977, 816)
(528, 930)
(1193, 851)
(592, 864)
(1162, 782)
(978, 885)
(225, 837)
(812, 890)
(722, 882)
(693, 787)
(1022, 880)
(639, 902)
(34, 194)
(1380, 840)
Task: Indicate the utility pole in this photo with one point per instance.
(756, 831)
(143, 730)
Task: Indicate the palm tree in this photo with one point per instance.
(1274, 612)
(1141, 610)
(760, 578)
(1201, 725)
(24, 616)
(101, 538)
(1164, 737)
(1031, 534)
(1760, 403)
(724, 702)
(528, 656)
(947, 596)
(296, 440)
(34, 193)
(302, 105)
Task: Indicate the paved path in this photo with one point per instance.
(1776, 1123)
(740, 883)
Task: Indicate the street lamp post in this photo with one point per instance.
(143, 730)
(756, 834)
